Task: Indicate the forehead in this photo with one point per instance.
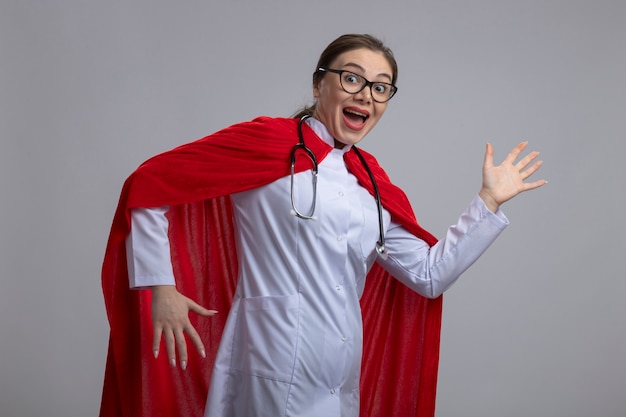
(370, 63)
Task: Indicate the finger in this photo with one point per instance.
(170, 343)
(515, 152)
(198, 309)
(532, 185)
(156, 340)
(532, 169)
(527, 160)
(488, 161)
(196, 340)
(181, 345)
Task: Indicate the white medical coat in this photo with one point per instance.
(293, 339)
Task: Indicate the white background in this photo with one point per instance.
(90, 89)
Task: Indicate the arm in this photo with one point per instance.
(150, 267)
(430, 271)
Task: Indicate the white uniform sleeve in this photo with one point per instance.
(432, 270)
(148, 249)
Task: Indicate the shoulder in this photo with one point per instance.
(261, 127)
(371, 162)
(267, 123)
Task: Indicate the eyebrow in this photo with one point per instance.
(352, 64)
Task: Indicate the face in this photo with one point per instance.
(349, 117)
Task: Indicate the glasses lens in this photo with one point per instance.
(382, 92)
(351, 82)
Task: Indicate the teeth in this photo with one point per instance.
(356, 113)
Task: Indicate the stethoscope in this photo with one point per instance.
(380, 245)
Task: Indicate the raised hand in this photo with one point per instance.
(503, 182)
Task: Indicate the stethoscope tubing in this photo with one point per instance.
(380, 245)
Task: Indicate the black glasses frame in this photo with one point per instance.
(368, 83)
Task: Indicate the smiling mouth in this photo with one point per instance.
(355, 116)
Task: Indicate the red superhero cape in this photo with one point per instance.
(401, 328)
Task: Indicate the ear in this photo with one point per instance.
(316, 90)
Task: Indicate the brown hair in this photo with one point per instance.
(343, 44)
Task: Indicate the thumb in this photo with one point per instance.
(198, 309)
(488, 162)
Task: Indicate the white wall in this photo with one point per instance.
(89, 89)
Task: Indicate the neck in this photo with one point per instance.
(339, 145)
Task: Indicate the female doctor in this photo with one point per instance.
(305, 242)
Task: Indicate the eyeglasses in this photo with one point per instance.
(354, 83)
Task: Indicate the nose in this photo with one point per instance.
(365, 95)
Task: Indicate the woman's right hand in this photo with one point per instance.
(170, 319)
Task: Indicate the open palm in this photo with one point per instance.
(505, 181)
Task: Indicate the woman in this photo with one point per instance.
(293, 296)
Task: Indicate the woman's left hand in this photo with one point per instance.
(503, 182)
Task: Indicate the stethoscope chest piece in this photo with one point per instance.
(381, 249)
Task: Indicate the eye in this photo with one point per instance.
(351, 78)
(381, 88)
